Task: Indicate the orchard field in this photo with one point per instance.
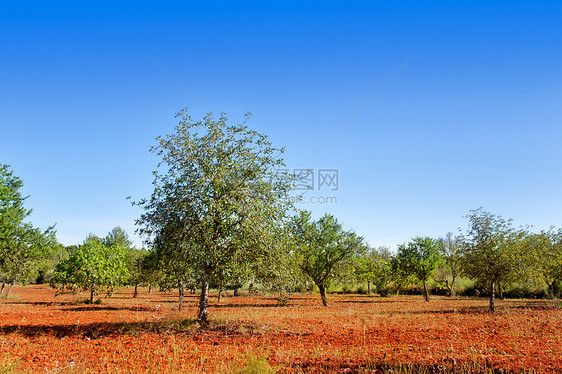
(44, 333)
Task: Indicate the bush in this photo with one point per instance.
(361, 290)
(256, 365)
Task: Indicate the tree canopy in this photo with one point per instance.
(94, 266)
(217, 202)
(420, 258)
(21, 244)
(322, 245)
(491, 250)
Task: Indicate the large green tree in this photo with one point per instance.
(217, 202)
(492, 250)
(22, 246)
(322, 245)
(420, 258)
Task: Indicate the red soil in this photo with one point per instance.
(41, 332)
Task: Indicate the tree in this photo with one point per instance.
(21, 244)
(546, 249)
(117, 236)
(322, 245)
(217, 201)
(134, 260)
(94, 266)
(491, 250)
(374, 266)
(420, 258)
(451, 247)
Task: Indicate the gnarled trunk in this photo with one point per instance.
(92, 293)
(135, 294)
(4, 285)
(180, 291)
(550, 289)
(425, 291)
(322, 289)
(9, 289)
(492, 296)
(202, 315)
(452, 290)
(500, 291)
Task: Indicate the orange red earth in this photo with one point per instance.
(41, 332)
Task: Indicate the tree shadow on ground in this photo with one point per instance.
(43, 303)
(374, 301)
(382, 367)
(88, 308)
(482, 309)
(99, 330)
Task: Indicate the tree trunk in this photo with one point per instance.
(492, 295)
(236, 292)
(425, 291)
(136, 292)
(202, 315)
(92, 293)
(149, 288)
(4, 285)
(322, 289)
(9, 289)
(500, 292)
(180, 290)
(453, 286)
(368, 287)
(550, 289)
(219, 296)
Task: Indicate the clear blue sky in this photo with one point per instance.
(472, 120)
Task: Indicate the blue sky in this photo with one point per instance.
(470, 117)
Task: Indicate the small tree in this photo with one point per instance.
(117, 236)
(451, 247)
(217, 201)
(420, 258)
(374, 266)
(322, 245)
(546, 251)
(134, 259)
(93, 267)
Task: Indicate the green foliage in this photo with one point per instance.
(492, 250)
(94, 266)
(217, 205)
(117, 236)
(545, 250)
(451, 247)
(420, 258)
(256, 365)
(322, 245)
(22, 246)
(375, 266)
